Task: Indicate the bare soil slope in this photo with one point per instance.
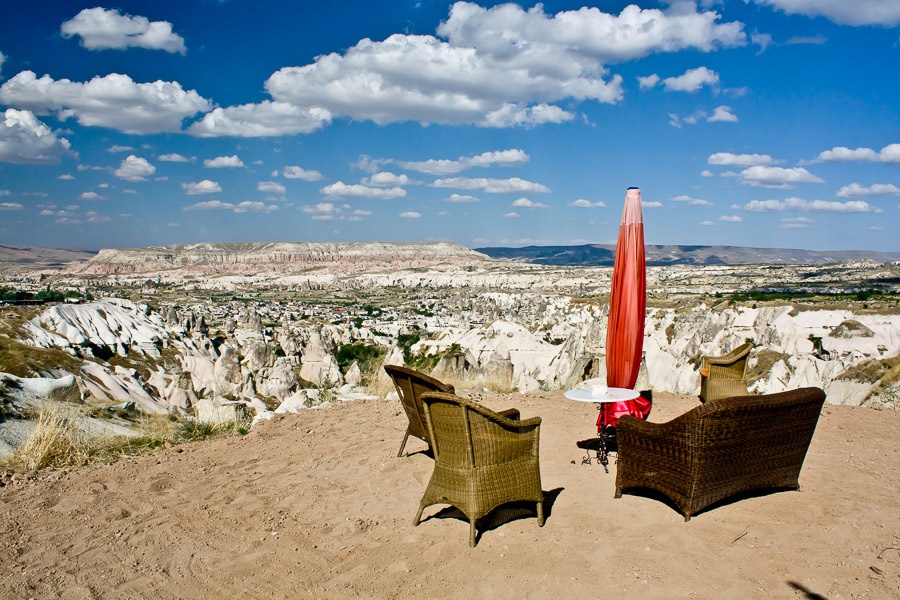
(317, 505)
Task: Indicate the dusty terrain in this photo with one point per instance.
(317, 505)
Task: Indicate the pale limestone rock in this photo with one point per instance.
(318, 364)
(214, 413)
(202, 372)
(353, 376)
(119, 385)
(294, 403)
(228, 380)
(279, 381)
(29, 392)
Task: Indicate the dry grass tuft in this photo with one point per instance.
(58, 440)
(61, 438)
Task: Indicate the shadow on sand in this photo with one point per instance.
(502, 515)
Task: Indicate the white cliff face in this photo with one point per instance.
(521, 341)
(119, 325)
(816, 346)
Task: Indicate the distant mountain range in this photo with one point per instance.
(604, 255)
(357, 256)
(29, 258)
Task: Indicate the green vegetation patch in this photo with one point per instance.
(365, 355)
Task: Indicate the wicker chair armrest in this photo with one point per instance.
(510, 413)
(720, 361)
(522, 426)
(732, 357)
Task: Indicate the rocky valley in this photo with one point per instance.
(209, 331)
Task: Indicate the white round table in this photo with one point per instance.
(598, 396)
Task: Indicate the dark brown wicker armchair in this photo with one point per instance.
(481, 459)
(724, 376)
(724, 447)
(410, 386)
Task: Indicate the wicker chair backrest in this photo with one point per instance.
(743, 435)
(466, 434)
(410, 385)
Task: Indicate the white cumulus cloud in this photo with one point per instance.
(241, 207)
(328, 211)
(270, 187)
(295, 172)
(842, 12)
(731, 218)
(266, 119)
(854, 190)
(255, 207)
(26, 140)
(890, 154)
(799, 204)
(692, 201)
(223, 162)
(582, 203)
(649, 81)
(410, 214)
(343, 190)
(740, 160)
(501, 158)
(514, 185)
(386, 179)
(114, 101)
(526, 203)
(776, 177)
(134, 168)
(692, 80)
(722, 114)
(201, 187)
(461, 198)
(101, 29)
(174, 157)
(502, 66)
(91, 196)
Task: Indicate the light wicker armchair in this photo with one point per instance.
(482, 459)
(724, 376)
(410, 386)
(720, 449)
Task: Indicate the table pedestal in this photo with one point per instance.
(604, 436)
(606, 396)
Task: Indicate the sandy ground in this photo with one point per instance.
(317, 505)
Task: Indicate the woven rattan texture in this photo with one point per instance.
(724, 376)
(482, 459)
(720, 449)
(410, 386)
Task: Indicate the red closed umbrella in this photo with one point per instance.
(627, 308)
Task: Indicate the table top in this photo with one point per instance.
(612, 394)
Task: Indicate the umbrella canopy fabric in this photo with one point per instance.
(627, 308)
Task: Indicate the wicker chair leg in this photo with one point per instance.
(472, 533)
(618, 492)
(418, 518)
(687, 518)
(540, 513)
(403, 445)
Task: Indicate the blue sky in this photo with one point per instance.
(770, 123)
